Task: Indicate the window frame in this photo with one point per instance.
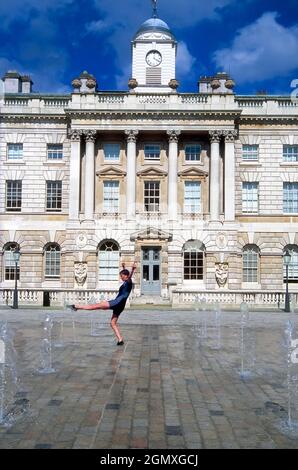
(52, 248)
(154, 196)
(18, 196)
(14, 159)
(291, 201)
(293, 266)
(249, 153)
(118, 144)
(199, 211)
(153, 144)
(55, 209)
(109, 209)
(250, 205)
(289, 160)
(247, 276)
(193, 144)
(193, 266)
(55, 159)
(10, 248)
(112, 266)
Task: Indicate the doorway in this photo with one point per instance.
(151, 262)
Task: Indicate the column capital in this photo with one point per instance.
(131, 135)
(230, 136)
(215, 136)
(173, 136)
(75, 135)
(90, 135)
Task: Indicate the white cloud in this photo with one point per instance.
(96, 27)
(262, 50)
(185, 61)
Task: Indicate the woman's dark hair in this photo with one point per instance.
(125, 272)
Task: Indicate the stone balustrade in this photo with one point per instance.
(188, 298)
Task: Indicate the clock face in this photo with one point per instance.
(153, 58)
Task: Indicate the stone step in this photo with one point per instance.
(150, 300)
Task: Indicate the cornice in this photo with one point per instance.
(177, 114)
(269, 119)
(33, 117)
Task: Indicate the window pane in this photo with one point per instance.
(13, 196)
(293, 266)
(152, 152)
(111, 196)
(146, 272)
(14, 151)
(55, 151)
(250, 265)
(108, 262)
(192, 197)
(250, 152)
(10, 268)
(151, 196)
(193, 265)
(54, 196)
(111, 151)
(250, 198)
(193, 152)
(156, 272)
(52, 261)
(290, 153)
(290, 196)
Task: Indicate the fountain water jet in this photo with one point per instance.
(46, 348)
(292, 377)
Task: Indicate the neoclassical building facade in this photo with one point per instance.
(201, 189)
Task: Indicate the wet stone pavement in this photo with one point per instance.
(167, 387)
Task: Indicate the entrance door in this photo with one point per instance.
(151, 271)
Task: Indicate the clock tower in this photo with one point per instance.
(154, 50)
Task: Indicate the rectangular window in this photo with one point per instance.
(290, 196)
(192, 197)
(52, 268)
(111, 197)
(250, 153)
(14, 151)
(250, 266)
(10, 267)
(292, 268)
(13, 196)
(151, 196)
(193, 265)
(193, 153)
(111, 151)
(250, 198)
(152, 152)
(108, 265)
(290, 153)
(54, 196)
(55, 151)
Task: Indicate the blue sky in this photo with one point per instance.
(55, 40)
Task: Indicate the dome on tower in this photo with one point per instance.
(154, 25)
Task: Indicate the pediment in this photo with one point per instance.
(151, 233)
(193, 171)
(152, 171)
(111, 171)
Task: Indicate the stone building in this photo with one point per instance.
(200, 188)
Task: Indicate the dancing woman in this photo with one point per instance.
(117, 305)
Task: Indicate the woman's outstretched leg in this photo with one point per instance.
(100, 306)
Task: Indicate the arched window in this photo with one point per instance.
(52, 261)
(10, 268)
(193, 261)
(108, 254)
(293, 266)
(251, 255)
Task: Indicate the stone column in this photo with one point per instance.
(90, 137)
(173, 175)
(229, 188)
(215, 176)
(74, 179)
(131, 173)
